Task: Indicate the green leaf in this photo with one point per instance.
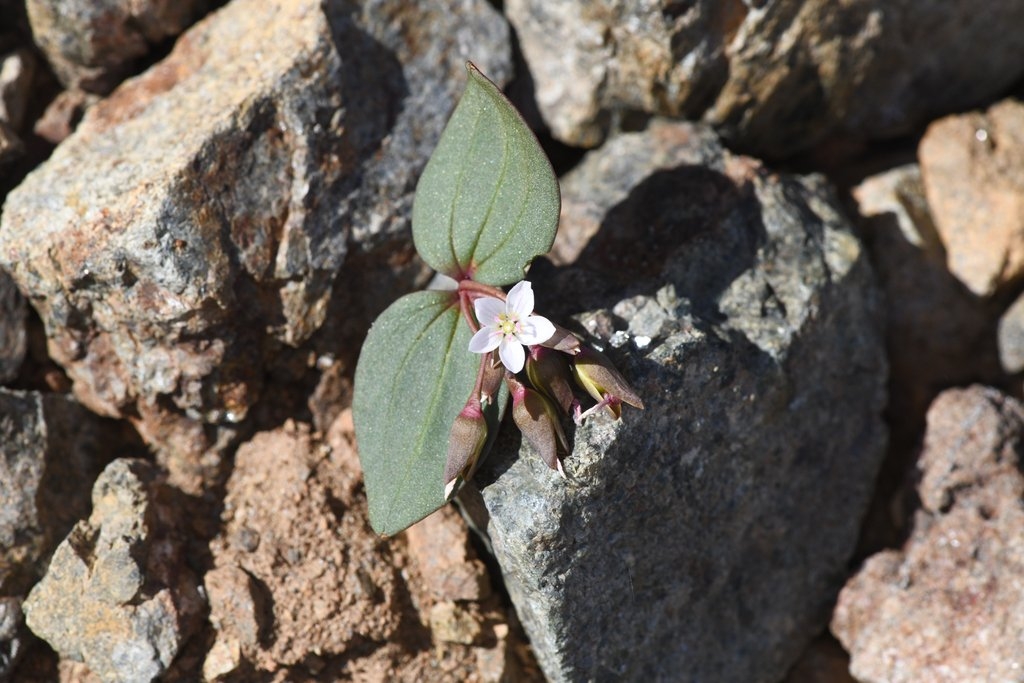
(487, 203)
(414, 376)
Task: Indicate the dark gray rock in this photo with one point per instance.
(704, 538)
(777, 76)
(117, 594)
(92, 44)
(12, 328)
(198, 218)
(49, 456)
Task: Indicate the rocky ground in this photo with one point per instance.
(797, 227)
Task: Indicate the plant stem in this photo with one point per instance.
(479, 288)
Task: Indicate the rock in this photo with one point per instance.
(118, 594)
(16, 71)
(301, 580)
(727, 510)
(946, 607)
(12, 636)
(1011, 337)
(448, 565)
(973, 170)
(195, 222)
(12, 328)
(50, 453)
(777, 77)
(938, 333)
(92, 45)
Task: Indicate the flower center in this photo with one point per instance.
(508, 324)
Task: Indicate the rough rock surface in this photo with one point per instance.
(947, 606)
(92, 44)
(197, 218)
(117, 594)
(973, 170)
(777, 76)
(303, 585)
(709, 533)
(50, 453)
(12, 328)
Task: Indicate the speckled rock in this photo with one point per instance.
(947, 606)
(775, 76)
(49, 456)
(973, 170)
(92, 44)
(196, 220)
(743, 309)
(117, 594)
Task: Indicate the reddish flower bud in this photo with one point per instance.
(536, 418)
(563, 340)
(465, 442)
(549, 374)
(599, 378)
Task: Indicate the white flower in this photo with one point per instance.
(509, 325)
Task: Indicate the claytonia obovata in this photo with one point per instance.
(509, 326)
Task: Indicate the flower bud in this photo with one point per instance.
(549, 374)
(599, 378)
(491, 373)
(465, 442)
(536, 418)
(563, 340)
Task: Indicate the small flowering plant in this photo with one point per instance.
(437, 367)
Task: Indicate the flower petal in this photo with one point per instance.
(488, 309)
(512, 355)
(520, 299)
(535, 329)
(485, 340)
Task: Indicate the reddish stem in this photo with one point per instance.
(479, 288)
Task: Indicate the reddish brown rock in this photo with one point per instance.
(947, 606)
(973, 170)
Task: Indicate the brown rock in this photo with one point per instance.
(973, 170)
(947, 606)
(449, 568)
(335, 597)
(195, 222)
(776, 76)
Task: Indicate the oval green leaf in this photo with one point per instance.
(413, 377)
(487, 203)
